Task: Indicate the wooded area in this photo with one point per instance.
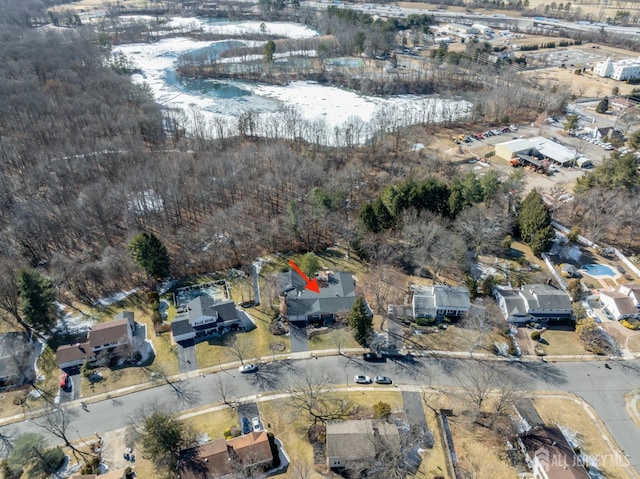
(89, 161)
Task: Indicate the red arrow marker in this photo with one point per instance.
(310, 284)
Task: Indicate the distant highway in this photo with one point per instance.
(523, 23)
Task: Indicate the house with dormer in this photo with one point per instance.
(205, 318)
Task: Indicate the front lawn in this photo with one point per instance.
(557, 342)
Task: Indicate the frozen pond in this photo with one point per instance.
(212, 102)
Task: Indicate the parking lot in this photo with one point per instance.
(569, 57)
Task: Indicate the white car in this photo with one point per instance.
(248, 368)
(362, 379)
(591, 313)
(257, 425)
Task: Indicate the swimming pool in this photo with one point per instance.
(596, 269)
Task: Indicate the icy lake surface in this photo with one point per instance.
(210, 100)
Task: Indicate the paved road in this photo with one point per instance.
(604, 389)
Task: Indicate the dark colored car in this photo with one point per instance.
(373, 357)
(246, 426)
(383, 380)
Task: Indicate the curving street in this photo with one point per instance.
(603, 388)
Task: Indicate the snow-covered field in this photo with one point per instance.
(329, 106)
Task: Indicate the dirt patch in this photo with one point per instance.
(114, 445)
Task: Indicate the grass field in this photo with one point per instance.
(561, 342)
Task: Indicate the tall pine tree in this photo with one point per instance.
(360, 321)
(36, 299)
(152, 256)
(534, 221)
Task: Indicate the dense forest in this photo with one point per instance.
(88, 161)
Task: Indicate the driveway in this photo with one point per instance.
(186, 351)
(394, 328)
(298, 336)
(73, 392)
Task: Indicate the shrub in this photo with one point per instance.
(156, 317)
(536, 335)
(19, 400)
(425, 321)
(381, 410)
(490, 154)
(91, 466)
(153, 297)
(573, 234)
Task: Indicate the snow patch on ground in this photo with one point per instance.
(117, 297)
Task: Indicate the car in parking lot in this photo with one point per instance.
(383, 380)
(257, 425)
(360, 379)
(248, 368)
(246, 426)
(64, 380)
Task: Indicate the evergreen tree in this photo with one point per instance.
(369, 219)
(634, 140)
(152, 256)
(603, 106)
(163, 437)
(384, 216)
(268, 51)
(360, 322)
(36, 299)
(535, 223)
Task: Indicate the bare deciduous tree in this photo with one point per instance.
(241, 348)
(309, 394)
(57, 421)
(225, 388)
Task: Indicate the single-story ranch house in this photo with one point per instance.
(337, 294)
(353, 442)
(204, 318)
(539, 303)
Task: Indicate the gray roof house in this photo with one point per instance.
(337, 294)
(439, 300)
(204, 318)
(354, 442)
(534, 303)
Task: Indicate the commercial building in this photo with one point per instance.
(537, 149)
(622, 70)
(483, 29)
(463, 29)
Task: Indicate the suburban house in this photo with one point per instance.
(101, 337)
(439, 301)
(549, 455)
(534, 303)
(227, 458)
(204, 318)
(337, 294)
(351, 443)
(607, 132)
(619, 305)
(633, 291)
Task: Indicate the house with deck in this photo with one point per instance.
(337, 295)
(205, 317)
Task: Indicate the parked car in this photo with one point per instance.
(621, 270)
(362, 379)
(591, 313)
(257, 425)
(513, 128)
(607, 313)
(246, 426)
(248, 368)
(64, 380)
(383, 380)
(373, 356)
(496, 132)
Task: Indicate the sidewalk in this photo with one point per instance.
(297, 356)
